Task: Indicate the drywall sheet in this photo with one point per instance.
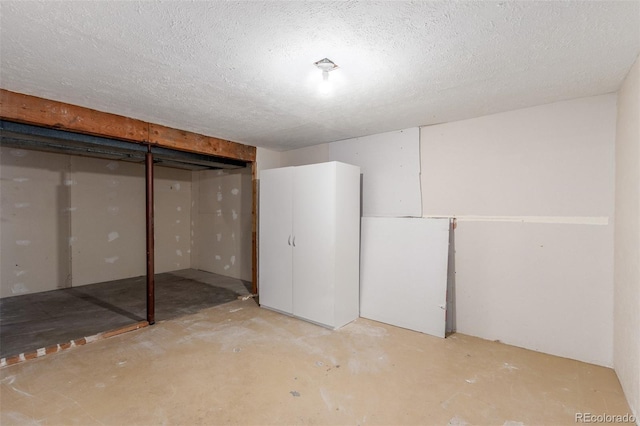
(221, 228)
(390, 167)
(403, 272)
(533, 192)
(307, 155)
(71, 220)
(108, 219)
(172, 199)
(545, 287)
(107, 208)
(554, 160)
(35, 220)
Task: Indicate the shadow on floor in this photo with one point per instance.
(34, 321)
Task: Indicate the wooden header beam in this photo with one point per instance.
(47, 113)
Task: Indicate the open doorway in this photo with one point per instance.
(73, 235)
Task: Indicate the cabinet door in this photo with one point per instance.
(276, 239)
(314, 211)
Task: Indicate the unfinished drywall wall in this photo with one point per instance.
(108, 220)
(71, 220)
(172, 198)
(221, 222)
(303, 156)
(390, 167)
(627, 240)
(535, 187)
(267, 159)
(551, 160)
(540, 286)
(34, 222)
(545, 283)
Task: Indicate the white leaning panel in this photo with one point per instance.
(403, 275)
(390, 166)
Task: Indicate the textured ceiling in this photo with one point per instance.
(244, 70)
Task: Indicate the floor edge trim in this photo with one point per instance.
(25, 356)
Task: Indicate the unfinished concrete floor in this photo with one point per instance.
(240, 364)
(38, 320)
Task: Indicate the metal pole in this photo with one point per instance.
(150, 242)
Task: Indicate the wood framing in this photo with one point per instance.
(71, 344)
(36, 111)
(47, 113)
(188, 141)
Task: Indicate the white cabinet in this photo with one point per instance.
(309, 242)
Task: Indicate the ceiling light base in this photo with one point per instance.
(325, 65)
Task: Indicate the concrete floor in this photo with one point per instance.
(239, 364)
(38, 320)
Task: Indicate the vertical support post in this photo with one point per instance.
(150, 238)
(254, 228)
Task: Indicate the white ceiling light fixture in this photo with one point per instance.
(325, 65)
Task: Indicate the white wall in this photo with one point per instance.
(550, 160)
(389, 163)
(534, 257)
(309, 155)
(540, 286)
(533, 190)
(267, 159)
(221, 217)
(390, 171)
(627, 240)
(70, 220)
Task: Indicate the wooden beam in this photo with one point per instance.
(47, 113)
(53, 114)
(194, 142)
